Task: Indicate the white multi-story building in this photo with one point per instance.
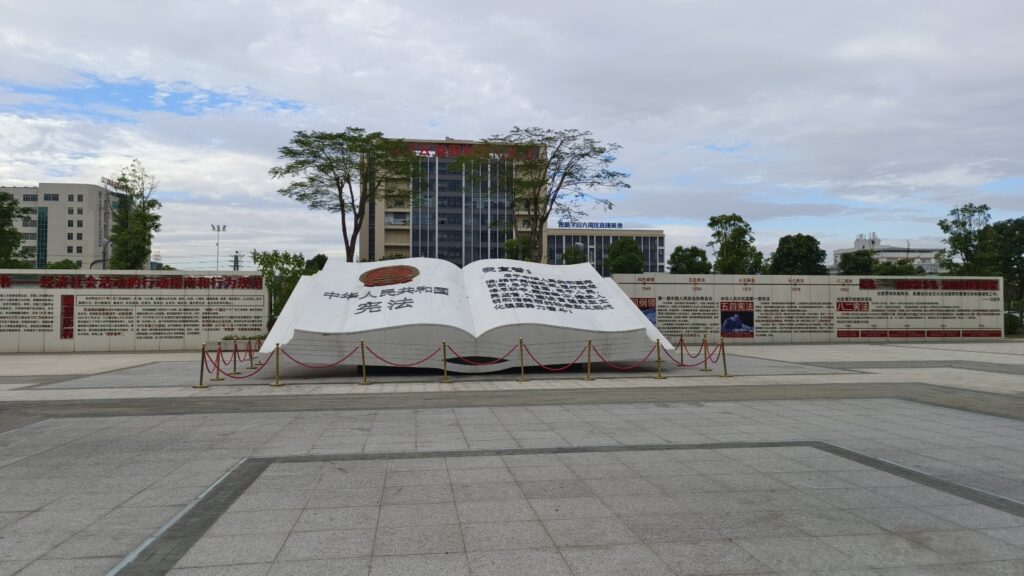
(923, 257)
(67, 221)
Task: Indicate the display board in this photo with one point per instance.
(797, 309)
(119, 311)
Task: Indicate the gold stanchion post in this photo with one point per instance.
(234, 358)
(725, 364)
(202, 369)
(248, 348)
(362, 353)
(522, 365)
(277, 365)
(682, 355)
(660, 376)
(216, 360)
(445, 379)
(704, 345)
(589, 345)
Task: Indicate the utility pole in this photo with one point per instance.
(218, 228)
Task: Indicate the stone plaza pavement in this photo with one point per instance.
(873, 460)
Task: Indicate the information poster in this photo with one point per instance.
(77, 311)
(798, 309)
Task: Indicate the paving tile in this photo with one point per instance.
(976, 516)
(754, 524)
(534, 473)
(670, 527)
(811, 480)
(420, 565)
(241, 549)
(329, 567)
(418, 514)
(250, 502)
(794, 554)
(901, 520)
(469, 462)
(505, 536)
(347, 518)
(93, 544)
(673, 485)
(534, 562)
(422, 494)
(883, 550)
(487, 492)
(622, 560)
(74, 567)
(255, 522)
(495, 511)
(643, 504)
(710, 557)
(920, 496)
(430, 539)
(323, 544)
(555, 489)
(967, 546)
(562, 508)
(589, 532)
(828, 522)
(1013, 536)
(416, 477)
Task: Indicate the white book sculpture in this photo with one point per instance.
(402, 310)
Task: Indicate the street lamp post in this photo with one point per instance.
(218, 228)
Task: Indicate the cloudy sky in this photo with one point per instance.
(827, 118)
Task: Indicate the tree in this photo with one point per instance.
(135, 217)
(65, 264)
(624, 257)
(342, 173)
(692, 260)
(281, 272)
(519, 248)
(904, 267)
(859, 263)
(733, 245)
(315, 264)
(963, 229)
(555, 171)
(573, 254)
(11, 255)
(1004, 240)
(798, 254)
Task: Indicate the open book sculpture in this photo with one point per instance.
(403, 310)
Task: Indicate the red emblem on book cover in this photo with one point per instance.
(388, 276)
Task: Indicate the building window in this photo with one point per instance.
(79, 262)
(79, 197)
(71, 223)
(71, 197)
(71, 210)
(79, 236)
(78, 249)
(79, 223)
(30, 198)
(51, 197)
(71, 235)
(71, 249)
(28, 235)
(80, 211)
(29, 223)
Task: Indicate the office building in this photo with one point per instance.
(460, 212)
(924, 258)
(594, 238)
(66, 221)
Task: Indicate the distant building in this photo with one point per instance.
(67, 221)
(595, 237)
(922, 257)
(459, 215)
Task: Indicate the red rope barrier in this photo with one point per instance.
(315, 366)
(617, 366)
(566, 367)
(718, 356)
(417, 363)
(687, 352)
(249, 375)
(472, 363)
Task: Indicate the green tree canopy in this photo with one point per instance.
(342, 172)
(1004, 241)
(556, 171)
(859, 263)
(692, 260)
(965, 255)
(624, 257)
(281, 272)
(733, 245)
(65, 264)
(904, 267)
(519, 248)
(315, 264)
(798, 254)
(135, 217)
(573, 254)
(11, 212)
